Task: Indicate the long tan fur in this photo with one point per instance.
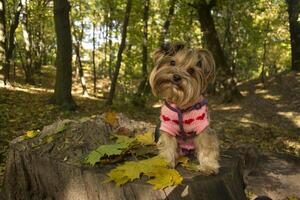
(196, 67)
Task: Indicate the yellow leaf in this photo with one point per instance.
(31, 134)
(146, 138)
(111, 118)
(123, 138)
(191, 166)
(183, 159)
(164, 177)
(50, 139)
(155, 168)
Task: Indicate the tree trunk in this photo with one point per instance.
(119, 57)
(144, 87)
(137, 100)
(93, 58)
(212, 42)
(167, 23)
(2, 33)
(28, 45)
(63, 85)
(39, 44)
(46, 167)
(80, 69)
(78, 46)
(264, 60)
(103, 64)
(111, 50)
(10, 43)
(294, 20)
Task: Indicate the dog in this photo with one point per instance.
(180, 76)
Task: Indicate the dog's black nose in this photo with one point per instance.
(176, 78)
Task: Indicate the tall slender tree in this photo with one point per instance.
(212, 42)
(63, 85)
(137, 100)
(2, 33)
(10, 42)
(78, 33)
(167, 22)
(28, 43)
(144, 87)
(294, 21)
(110, 39)
(119, 56)
(94, 54)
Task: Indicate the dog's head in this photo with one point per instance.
(181, 74)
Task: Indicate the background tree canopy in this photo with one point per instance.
(253, 40)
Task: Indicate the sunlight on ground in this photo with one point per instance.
(261, 91)
(27, 89)
(271, 97)
(295, 145)
(293, 116)
(37, 90)
(245, 93)
(259, 85)
(229, 107)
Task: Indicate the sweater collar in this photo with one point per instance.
(198, 105)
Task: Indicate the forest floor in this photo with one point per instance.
(268, 116)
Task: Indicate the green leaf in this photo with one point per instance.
(107, 150)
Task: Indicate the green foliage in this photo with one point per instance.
(252, 33)
(108, 150)
(123, 144)
(245, 27)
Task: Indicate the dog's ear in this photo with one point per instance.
(161, 51)
(206, 63)
(167, 49)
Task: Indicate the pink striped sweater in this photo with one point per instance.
(194, 122)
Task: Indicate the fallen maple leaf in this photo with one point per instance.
(123, 138)
(31, 134)
(146, 138)
(164, 177)
(108, 150)
(184, 162)
(155, 168)
(111, 118)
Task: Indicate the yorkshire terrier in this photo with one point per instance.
(180, 76)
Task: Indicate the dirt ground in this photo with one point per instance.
(268, 116)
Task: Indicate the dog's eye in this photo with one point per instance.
(172, 63)
(191, 70)
(199, 64)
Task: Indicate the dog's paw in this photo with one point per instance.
(208, 169)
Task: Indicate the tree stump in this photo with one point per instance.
(49, 166)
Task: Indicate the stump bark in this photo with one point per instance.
(49, 166)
